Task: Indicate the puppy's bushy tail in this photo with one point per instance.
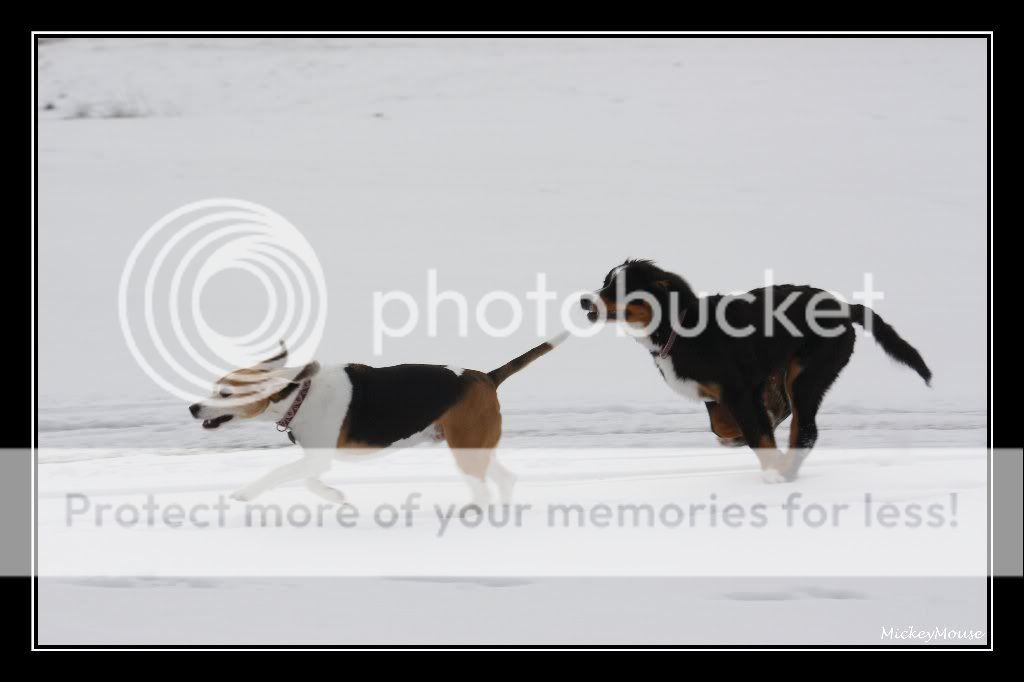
(892, 343)
(511, 367)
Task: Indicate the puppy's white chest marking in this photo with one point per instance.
(688, 388)
(681, 385)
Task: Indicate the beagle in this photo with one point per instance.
(350, 411)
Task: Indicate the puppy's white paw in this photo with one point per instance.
(772, 476)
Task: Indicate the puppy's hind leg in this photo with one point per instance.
(310, 466)
(811, 378)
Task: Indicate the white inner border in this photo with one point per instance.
(896, 34)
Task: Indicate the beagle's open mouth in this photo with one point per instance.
(216, 421)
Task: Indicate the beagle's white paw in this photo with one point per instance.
(772, 476)
(242, 495)
(326, 492)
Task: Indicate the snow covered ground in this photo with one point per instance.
(493, 611)
(286, 569)
(97, 427)
(492, 161)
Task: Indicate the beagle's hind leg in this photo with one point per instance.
(474, 465)
(472, 428)
(503, 478)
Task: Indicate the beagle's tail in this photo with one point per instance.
(509, 368)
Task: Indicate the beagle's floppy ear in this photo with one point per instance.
(305, 373)
(308, 371)
(278, 360)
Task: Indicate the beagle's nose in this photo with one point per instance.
(586, 303)
(194, 408)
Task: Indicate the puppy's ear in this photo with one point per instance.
(668, 281)
(278, 360)
(675, 286)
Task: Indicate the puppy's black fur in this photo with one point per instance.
(738, 368)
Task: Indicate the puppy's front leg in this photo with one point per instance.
(752, 417)
(310, 466)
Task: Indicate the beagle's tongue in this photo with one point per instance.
(216, 421)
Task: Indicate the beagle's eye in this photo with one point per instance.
(225, 393)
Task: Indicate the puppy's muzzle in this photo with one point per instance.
(594, 311)
(587, 304)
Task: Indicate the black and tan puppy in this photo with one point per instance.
(752, 358)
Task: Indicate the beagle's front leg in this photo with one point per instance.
(311, 466)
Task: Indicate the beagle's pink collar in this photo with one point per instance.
(282, 424)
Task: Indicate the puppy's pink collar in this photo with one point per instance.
(282, 424)
(667, 348)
